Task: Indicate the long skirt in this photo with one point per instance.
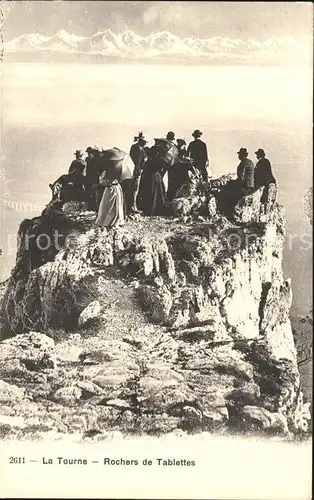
(110, 212)
(126, 186)
(152, 194)
(178, 176)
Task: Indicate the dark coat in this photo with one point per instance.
(138, 156)
(263, 175)
(92, 171)
(152, 193)
(178, 176)
(197, 150)
(77, 165)
(69, 187)
(245, 173)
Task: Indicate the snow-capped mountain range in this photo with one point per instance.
(128, 45)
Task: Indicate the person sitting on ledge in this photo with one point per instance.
(71, 186)
(245, 170)
(263, 175)
(78, 164)
(236, 189)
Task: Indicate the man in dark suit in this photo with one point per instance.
(139, 156)
(245, 170)
(263, 175)
(91, 177)
(78, 164)
(197, 150)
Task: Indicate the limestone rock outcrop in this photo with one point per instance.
(190, 323)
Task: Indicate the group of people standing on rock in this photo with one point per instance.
(114, 188)
(183, 165)
(115, 184)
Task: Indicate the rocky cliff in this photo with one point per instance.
(175, 324)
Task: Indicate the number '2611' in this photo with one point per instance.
(17, 460)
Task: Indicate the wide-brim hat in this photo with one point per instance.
(139, 136)
(260, 151)
(89, 149)
(197, 133)
(78, 152)
(243, 151)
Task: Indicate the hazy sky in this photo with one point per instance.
(258, 20)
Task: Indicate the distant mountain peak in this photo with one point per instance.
(62, 33)
(127, 44)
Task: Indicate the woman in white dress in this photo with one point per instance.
(110, 212)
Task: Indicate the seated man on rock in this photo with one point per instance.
(263, 175)
(241, 186)
(78, 164)
(245, 170)
(69, 187)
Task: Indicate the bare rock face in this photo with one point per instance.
(3, 288)
(308, 204)
(186, 382)
(10, 393)
(257, 206)
(67, 395)
(252, 416)
(91, 312)
(213, 350)
(32, 351)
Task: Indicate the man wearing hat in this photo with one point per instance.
(170, 136)
(139, 156)
(73, 184)
(91, 177)
(245, 170)
(197, 150)
(78, 164)
(263, 175)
